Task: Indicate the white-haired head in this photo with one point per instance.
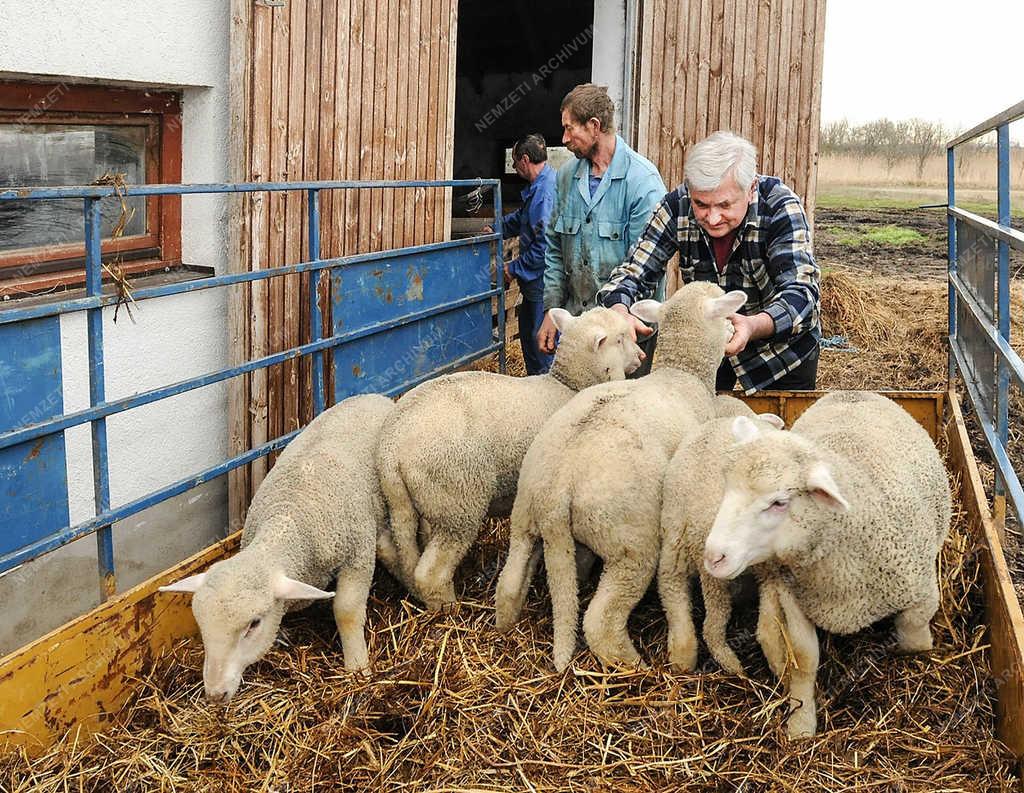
(720, 155)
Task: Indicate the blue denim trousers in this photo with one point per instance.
(531, 314)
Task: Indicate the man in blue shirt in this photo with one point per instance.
(605, 199)
(529, 158)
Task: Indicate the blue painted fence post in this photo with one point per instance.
(97, 395)
(499, 278)
(1002, 313)
(315, 316)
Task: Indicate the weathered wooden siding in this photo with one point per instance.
(750, 66)
(326, 89)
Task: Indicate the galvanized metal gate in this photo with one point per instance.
(398, 317)
(979, 306)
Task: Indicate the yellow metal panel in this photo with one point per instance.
(82, 673)
(925, 406)
(1002, 609)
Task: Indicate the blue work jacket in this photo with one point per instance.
(529, 222)
(589, 237)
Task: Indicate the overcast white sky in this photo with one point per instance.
(955, 62)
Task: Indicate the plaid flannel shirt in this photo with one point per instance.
(771, 260)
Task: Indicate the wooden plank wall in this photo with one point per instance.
(750, 66)
(326, 89)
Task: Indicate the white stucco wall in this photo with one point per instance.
(180, 46)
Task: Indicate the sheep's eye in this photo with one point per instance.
(252, 626)
(608, 370)
(619, 340)
(779, 504)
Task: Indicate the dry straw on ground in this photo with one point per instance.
(454, 706)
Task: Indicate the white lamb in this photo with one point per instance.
(692, 494)
(594, 475)
(451, 452)
(846, 515)
(318, 515)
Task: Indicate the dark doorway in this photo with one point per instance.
(514, 64)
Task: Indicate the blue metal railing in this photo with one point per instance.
(979, 305)
(95, 300)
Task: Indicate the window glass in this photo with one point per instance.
(51, 155)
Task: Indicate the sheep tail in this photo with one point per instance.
(560, 562)
(405, 520)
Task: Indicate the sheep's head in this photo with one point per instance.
(238, 607)
(595, 347)
(775, 487)
(694, 327)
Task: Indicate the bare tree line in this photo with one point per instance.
(893, 142)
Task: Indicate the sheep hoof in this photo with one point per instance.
(801, 724)
(910, 642)
(683, 657)
(728, 660)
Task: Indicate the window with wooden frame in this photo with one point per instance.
(57, 134)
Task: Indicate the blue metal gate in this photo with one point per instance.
(979, 306)
(398, 318)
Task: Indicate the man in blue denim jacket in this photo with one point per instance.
(603, 203)
(530, 160)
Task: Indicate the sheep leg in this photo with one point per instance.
(769, 629)
(351, 594)
(802, 721)
(560, 561)
(913, 625)
(674, 591)
(387, 555)
(514, 581)
(623, 583)
(435, 573)
(717, 610)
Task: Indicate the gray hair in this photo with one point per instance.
(721, 154)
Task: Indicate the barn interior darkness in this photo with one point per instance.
(514, 64)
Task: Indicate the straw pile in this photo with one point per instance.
(454, 706)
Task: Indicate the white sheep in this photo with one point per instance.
(691, 497)
(451, 452)
(594, 475)
(845, 516)
(317, 515)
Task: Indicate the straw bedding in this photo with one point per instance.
(454, 706)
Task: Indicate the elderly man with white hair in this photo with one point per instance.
(743, 231)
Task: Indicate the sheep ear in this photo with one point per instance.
(563, 319)
(776, 421)
(599, 337)
(286, 588)
(729, 303)
(190, 584)
(744, 430)
(824, 490)
(649, 311)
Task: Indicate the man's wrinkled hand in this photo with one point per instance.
(547, 334)
(508, 276)
(742, 330)
(637, 326)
